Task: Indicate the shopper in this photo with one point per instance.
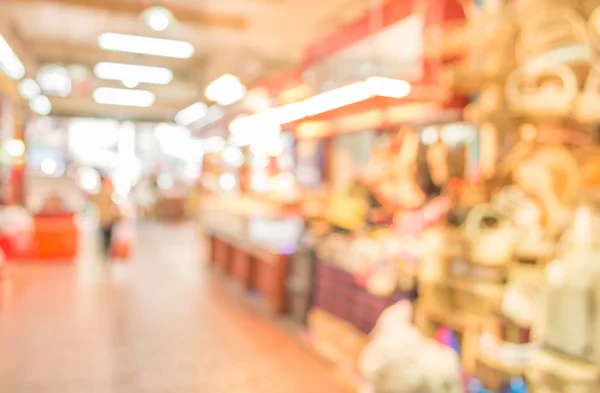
(108, 214)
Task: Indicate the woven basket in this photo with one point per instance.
(534, 98)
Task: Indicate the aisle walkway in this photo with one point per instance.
(168, 327)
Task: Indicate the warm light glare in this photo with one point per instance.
(55, 80)
(146, 45)
(131, 73)
(191, 114)
(324, 102)
(386, 87)
(158, 18)
(89, 180)
(124, 97)
(29, 89)
(40, 105)
(214, 144)
(226, 90)
(15, 147)
(48, 166)
(227, 182)
(9, 62)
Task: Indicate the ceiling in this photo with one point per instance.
(249, 38)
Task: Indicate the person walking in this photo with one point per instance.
(108, 214)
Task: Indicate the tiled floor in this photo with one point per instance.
(157, 325)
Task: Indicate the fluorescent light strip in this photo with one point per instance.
(29, 89)
(225, 90)
(146, 45)
(191, 114)
(324, 102)
(40, 105)
(123, 97)
(139, 73)
(9, 62)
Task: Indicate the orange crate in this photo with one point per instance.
(56, 238)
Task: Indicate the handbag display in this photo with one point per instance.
(549, 92)
(491, 236)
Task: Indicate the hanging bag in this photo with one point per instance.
(489, 245)
(530, 94)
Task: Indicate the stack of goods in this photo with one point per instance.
(400, 359)
(569, 328)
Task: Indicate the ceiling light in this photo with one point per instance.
(324, 102)
(226, 90)
(9, 62)
(48, 166)
(124, 97)
(40, 105)
(192, 113)
(146, 45)
(387, 87)
(158, 18)
(129, 73)
(29, 88)
(130, 83)
(55, 80)
(214, 144)
(15, 147)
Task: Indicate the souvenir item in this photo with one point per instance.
(437, 161)
(547, 92)
(586, 109)
(347, 212)
(521, 298)
(382, 280)
(491, 236)
(550, 176)
(433, 266)
(405, 190)
(533, 242)
(570, 321)
(400, 359)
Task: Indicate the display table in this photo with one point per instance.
(251, 243)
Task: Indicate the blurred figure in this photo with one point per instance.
(54, 205)
(108, 213)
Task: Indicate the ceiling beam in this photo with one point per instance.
(193, 15)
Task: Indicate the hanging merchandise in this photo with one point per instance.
(548, 92)
(491, 236)
(521, 299)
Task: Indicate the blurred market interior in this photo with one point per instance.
(254, 196)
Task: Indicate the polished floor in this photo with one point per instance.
(160, 324)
